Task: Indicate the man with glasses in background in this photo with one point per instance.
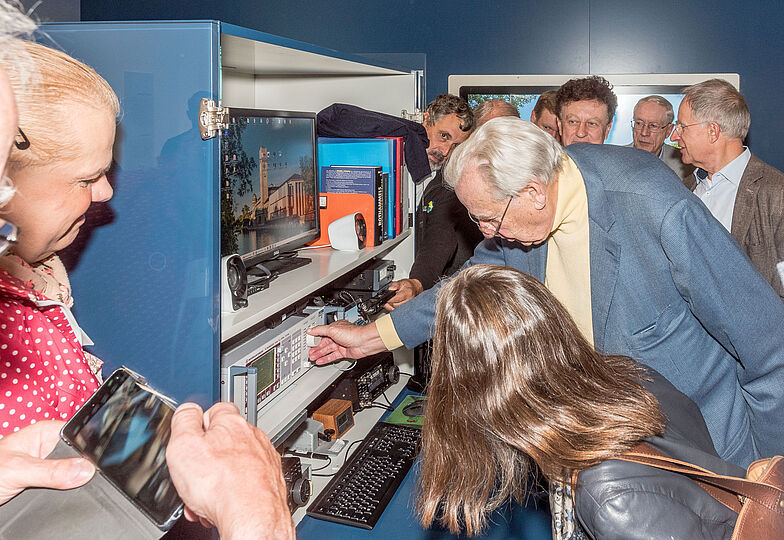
(743, 192)
(651, 125)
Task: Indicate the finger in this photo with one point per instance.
(324, 347)
(187, 419)
(54, 473)
(222, 412)
(322, 330)
(329, 358)
(37, 439)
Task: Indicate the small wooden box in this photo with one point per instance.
(337, 415)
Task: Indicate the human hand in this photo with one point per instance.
(228, 473)
(405, 290)
(23, 461)
(341, 339)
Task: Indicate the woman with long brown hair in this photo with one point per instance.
(515, 385)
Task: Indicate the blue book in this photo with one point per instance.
(367, 152)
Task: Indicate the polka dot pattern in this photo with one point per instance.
(39, 378)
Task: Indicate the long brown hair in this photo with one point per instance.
(513, 380)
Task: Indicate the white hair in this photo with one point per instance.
(716, 100)
(508, 152)
(669, 114)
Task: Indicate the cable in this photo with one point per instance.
(375, 405)
(349, 368)
(348, 449)
(328, 464)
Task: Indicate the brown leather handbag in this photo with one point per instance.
(758, 499)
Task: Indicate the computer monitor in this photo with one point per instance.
(268, 183)
(523, 91)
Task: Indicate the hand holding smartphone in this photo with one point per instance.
(123, 429)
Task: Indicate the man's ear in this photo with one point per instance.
(668, 131)
(558, 125)
(714, 131)
(536, 192)
(426, 118)
(607, 130)
(533, 117)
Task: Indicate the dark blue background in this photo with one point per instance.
(558, 36)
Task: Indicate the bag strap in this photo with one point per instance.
(765, 494)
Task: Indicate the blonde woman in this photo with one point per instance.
(515, 385)
(58, 164)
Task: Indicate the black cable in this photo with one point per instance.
(348, 448)
(329, 463)
(381, 406)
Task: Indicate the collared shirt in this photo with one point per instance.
(568, 265)
(718, 193)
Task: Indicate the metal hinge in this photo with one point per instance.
(212, 118)
(416, 116)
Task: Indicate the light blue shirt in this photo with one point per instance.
(718, 193)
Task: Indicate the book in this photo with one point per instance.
(381, 152)
(397, 188)
(346, 190)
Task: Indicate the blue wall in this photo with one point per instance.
(559, 36)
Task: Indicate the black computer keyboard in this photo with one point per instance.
(362, 488)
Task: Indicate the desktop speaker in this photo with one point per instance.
(234, 284)
(348, 233)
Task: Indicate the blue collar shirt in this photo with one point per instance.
(718, 193)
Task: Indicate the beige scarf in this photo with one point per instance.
(48, 278)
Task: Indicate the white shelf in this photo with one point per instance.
(327, 266)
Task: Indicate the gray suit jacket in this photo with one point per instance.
(672, 157)
(671, 288)
(758, 218)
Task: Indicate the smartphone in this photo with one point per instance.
(123, 429)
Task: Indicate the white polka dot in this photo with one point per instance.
(21, 417)
(8, 394)
(5, 424)
(12, 411)
(16, 429)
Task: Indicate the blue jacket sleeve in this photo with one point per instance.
(737, 307)
(414, 320)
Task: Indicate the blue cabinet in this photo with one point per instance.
(145, 269)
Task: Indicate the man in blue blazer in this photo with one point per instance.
(638, 261)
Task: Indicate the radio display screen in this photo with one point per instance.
(265, 364)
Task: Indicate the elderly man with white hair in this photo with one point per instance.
(637, 260)
(651, 125)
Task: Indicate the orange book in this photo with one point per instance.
(334, 206)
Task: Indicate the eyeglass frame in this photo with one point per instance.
(8, 235)
(680, 127)
(657, 129)
(479, 222)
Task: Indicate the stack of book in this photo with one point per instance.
(366, 176)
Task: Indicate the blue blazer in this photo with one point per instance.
(671, 288)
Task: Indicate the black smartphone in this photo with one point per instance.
(123, 429)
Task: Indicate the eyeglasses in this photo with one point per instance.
(8, 233)
(653, 127)
(487, 224)
(680, 127)
(21, 141)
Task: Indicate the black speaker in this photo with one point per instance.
(234, 283)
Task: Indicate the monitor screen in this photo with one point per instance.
(268, 183)
(524, 98)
